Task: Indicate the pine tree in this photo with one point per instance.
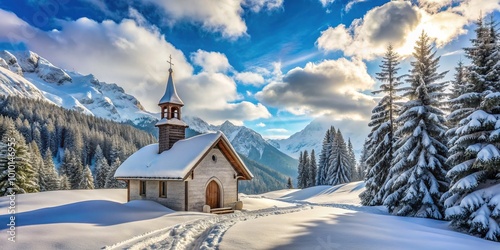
(300, 171)
(459, 81)
(50, 176)
(289, 184)
(36, 161)
(352, 159)
(303, 170)
(339, 170)
(417, 177)
(458, 87)
(72, 168)
(18, 175)
(323, 160)
(306, 169)
(380, 142)
(64, 183)
(87, 180)
(111, 182)
(312, 169)
(101, 168)
(472, 200)
(65, 163)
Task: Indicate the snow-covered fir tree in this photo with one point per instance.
(72, 168)
(352, 159)
(63, 168)
(300, 171)
(323, 159)
(36, 161)
(23, 178)
(323, 177)
(101, 168)
(417, 176)
(111, 181)
(303, 170)
(380, 142)
(64, 183)
(473, 200)
(458, 87)
(306, 169)
(50, 176)
(459, 81)
(312, 170)
(338, 166)
(87, 179)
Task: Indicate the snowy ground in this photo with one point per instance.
(83, 219)
(321, 217)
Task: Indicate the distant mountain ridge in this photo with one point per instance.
(26, 74)
(248, 143)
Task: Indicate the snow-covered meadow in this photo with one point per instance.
(321, 217)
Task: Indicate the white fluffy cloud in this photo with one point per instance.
(258, 5)
(210, 61)
(400, 23)
(213, 97)
(337, 38)
(223, 16)
(250, 78)
(326, 2)
(331, 87)
(347, 6)
(135, 57)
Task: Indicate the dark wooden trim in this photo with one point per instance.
(186, 195)
(128, 190)
(160, 189)
(142, 188)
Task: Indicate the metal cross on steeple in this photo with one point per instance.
(170, 62)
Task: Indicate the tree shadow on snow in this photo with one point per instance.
(360, 230)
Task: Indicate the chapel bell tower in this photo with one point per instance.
(171, 127)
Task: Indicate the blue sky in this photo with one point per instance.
(272, 65)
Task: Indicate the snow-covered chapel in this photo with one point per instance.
(199, 173)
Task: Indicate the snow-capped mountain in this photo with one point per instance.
(26, 74)
(243, 139)
(311, 137)
(14, 84)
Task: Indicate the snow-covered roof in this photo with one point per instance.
(173, 121)
(170, 95)
(176, 162)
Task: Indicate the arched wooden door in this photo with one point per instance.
(212, 195)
